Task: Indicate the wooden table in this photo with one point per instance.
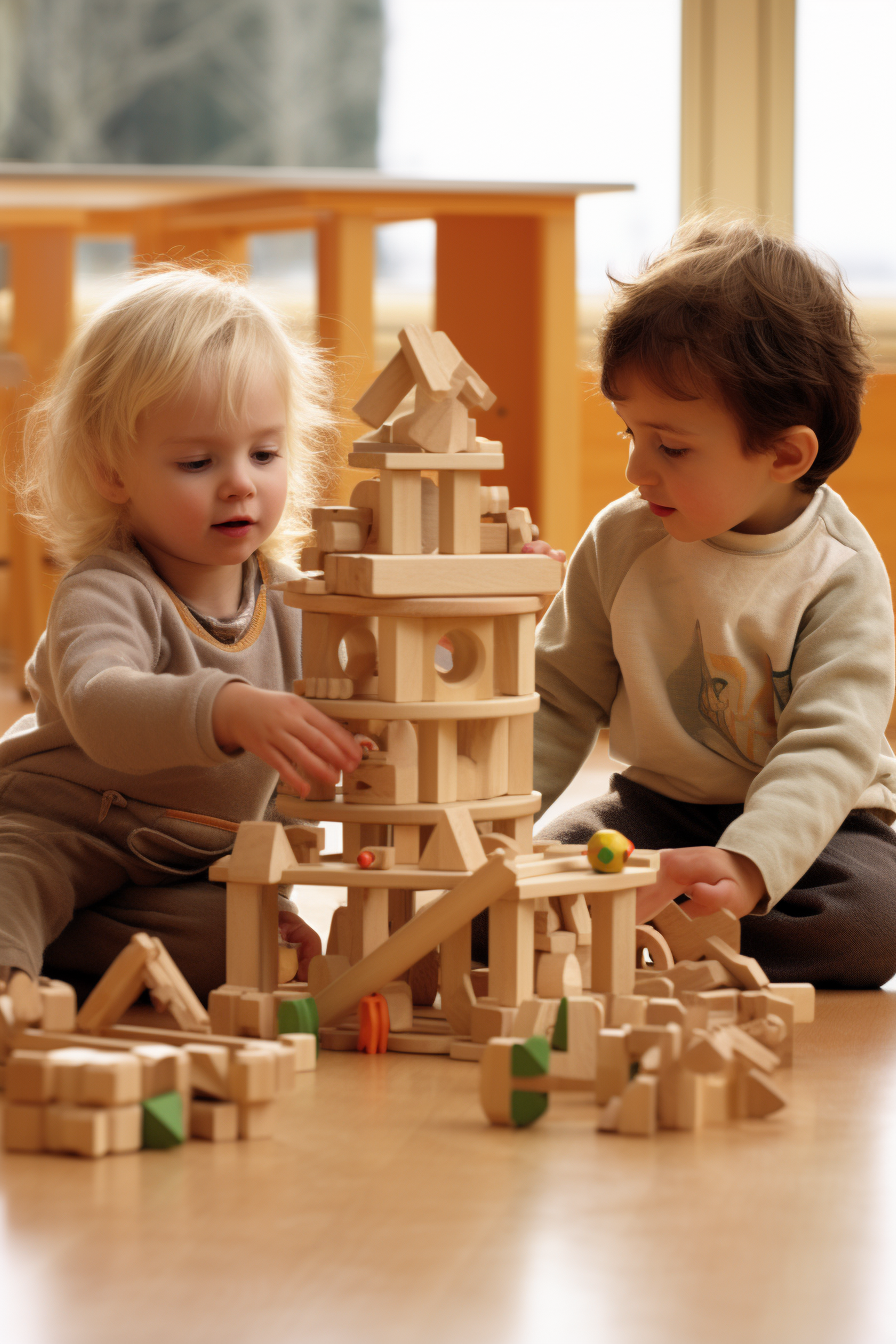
(386, 1211)
(505, 291)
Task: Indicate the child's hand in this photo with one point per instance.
(285, 732)
(712, 878)
(544, 548)
(307, 943)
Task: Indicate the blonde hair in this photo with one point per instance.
(146, 345)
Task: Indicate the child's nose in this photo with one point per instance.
(638, 470)
(238, 481)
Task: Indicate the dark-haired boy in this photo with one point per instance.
(731, 621)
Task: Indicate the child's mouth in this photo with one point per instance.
(660, 510)
(234, 527)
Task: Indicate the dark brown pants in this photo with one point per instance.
(836, 927)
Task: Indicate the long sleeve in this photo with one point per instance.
(106, 657)
(827, 757)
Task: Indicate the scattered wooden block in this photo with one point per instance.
(654, 944)
(24, 1126)
(687, 937)
(111, 1080)
(746, 970)
(761, 1096)
(802, 996)
(119, 987)
(490, 1019)
(59, 1005)
(165, 1068)
(638, 1110)
(255, 1120)
(209, 1070)
(25, 998)
(163, 1121)
(253, 1076)
(304, 1045)
(662, 1011)
(30, 1077)
(216, 1121)
(125, 1126)
(557, 975)
(613, 1064)
(83, 1130)
(628, 1008)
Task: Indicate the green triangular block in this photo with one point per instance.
(526, 1107)
(299, 1015)
(531, 1059)
(560, 1038)
(163, 1121)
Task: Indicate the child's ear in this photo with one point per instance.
(794, 450)
(110, 485)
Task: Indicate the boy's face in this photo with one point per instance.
(204, 491)
(686, 459)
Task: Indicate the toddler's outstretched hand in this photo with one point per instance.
(304, 939)
(285, 732)
(711, 878)
(544, 548)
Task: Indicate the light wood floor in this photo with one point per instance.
(385, 1211)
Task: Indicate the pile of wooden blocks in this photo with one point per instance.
(83, 1083)
(695, 1045)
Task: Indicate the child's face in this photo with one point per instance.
(687, 461)
(205, 491)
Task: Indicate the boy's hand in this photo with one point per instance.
(712, 878)
(544, 548)
(306, 941)
(285, 732)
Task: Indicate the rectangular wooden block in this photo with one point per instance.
(60, 1006)
(459, 513)
(253, 1076)
(490, 1019)
(515, 654)
(256, 1119)
(802, 996)
(252, 935)
(224, 1009)
(304, 1045)
(83, 1130)
(511, 952)
(216, 1121)
(125, 1124)
(437, 742)
(210, 1070)
(115, 1080)
(492, 538)
(166, 1068)
(520, 755)
(258, 1015)
(24, 1127)
(393, 575)
(401, 509)
(613, 941)
(30, 1077)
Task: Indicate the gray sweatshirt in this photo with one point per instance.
(124, 679)
(742, 669)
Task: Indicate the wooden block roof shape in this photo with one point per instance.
(428, 362)
(260, 853)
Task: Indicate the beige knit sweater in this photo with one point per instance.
(124, 679)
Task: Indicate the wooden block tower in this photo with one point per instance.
(419, 623)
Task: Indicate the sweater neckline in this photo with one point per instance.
(772, 543)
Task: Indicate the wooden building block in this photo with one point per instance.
(667, 1038)
(584, 1023)
(458, 999)
(802, 996)
(511, 952)
(441, 428)
(209, 1070)
(613, 940)
(628, 1008)
(638, 1111)
(368, 913)
(493, 499)
(520, 752)
(400, 1004)
(576, 918)
(557, 975)
(255, 1120)
(165, 1124)
(261, 851)
(310, 560)
(59, 1004)
(386, 391)
(492, 538)
(30, 1077)
(662, 1011)
(376, 857)
(454, 844)
(534, 1017)
(304, 1045)
(119, 987)
(24, 1127)
(216, 1121)
(322, 971)
(654, 986)
(341, 533)
(687, 937)
(224, 1010)
(165, 1068)
(170, 990)
(556, 943)
(253, 1076)
(761, 1096)
(25, 998)
(751, 1052)
(716, 1108)
(114, 1080)
(68, 1063)
(257, 1015)
(366, 495)
(697, 976)
(401, 575)
(424, 361)
(252, 932)
(83, 1130)
(125, 1125)
(613, 1064)
(519, 529)
(437, 745)
(608, 1119)
(490, 1019)
(707, 1052)
(515, 654)
(652, 942)
(459, 513)
(400, 517)
(483, 758)
(745, 970)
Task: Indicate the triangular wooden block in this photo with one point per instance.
(762, 1097)
(120, 986)
(454, 844)
(260, 853)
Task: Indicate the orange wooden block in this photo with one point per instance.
(373, 1023)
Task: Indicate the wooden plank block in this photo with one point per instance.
(454, 844)
(746, 970)
(515, 654)
(520, 750)
(511, 952)
(252, 934)
(386, 391)
(612, 940)
(424, 360)
(437, 744)
(687, 937)
(459, 514)
(458, 999)
(414, 459)
(392, 575)
(368, 911)
(802, 996)
(414, 710)
(401, 642)
(401, 508)
(119, 987)
(334, 604)
(436, 922)
(504, 811)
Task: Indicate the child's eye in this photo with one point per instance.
(195, 465)
(265, 455)
(672, 452)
